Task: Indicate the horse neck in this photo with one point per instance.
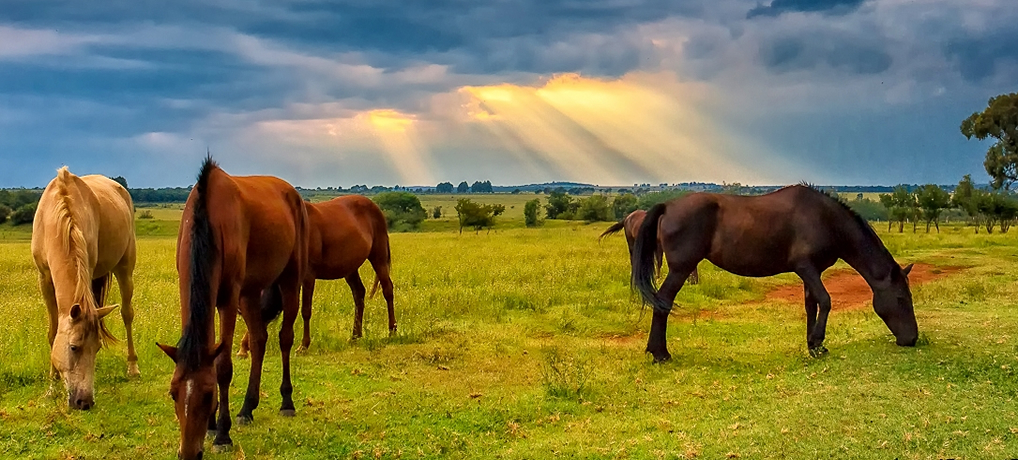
(868, 256)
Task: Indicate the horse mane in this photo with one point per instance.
(75, 245)
(193, 342)
(844, 205)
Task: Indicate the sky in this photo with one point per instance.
(608, 92)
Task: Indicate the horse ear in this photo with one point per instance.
(170, 351)
(75, 311)
(907, 269)
(102, 312)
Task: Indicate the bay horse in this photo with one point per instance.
(344, 233)
(631, 224)
(242, 248)
(795, 229)
(82, 235)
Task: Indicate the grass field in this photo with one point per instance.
(527, 343)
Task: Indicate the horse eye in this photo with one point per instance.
(74, 348)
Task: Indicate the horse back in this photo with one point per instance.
(345, 231)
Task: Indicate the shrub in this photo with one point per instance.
(595, 208)
(437, 212)
(4, 213)
(403, 210)
(146, 214)
(530, 212)
(624, 204)
(23, 215)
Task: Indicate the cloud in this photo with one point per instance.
(778, 7)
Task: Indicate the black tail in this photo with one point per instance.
(613, 229)
(192, 346)
(644, 249)
(388, 263)
(272, 302)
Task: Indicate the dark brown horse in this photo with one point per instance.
(795, 229)
(631, 224)
(344, 233)
(239, 237)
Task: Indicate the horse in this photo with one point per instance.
(795, 229)
(631, 224)
(344, 233)
(82, 235)
(242, 247)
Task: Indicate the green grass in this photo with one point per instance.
(527, 343)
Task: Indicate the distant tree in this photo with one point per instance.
(624, 204)
(595, 208)
(444, 187)
(120, 180)
(24, 214)
(932, 201)
(476, 215)
(463, 187)
(560, 205)
(5, 212)
(869, 209)
(403, 210)
(530, 210)
(1007, 211)
(733, 188)
(650, 199)
(436, 213)
(998, 120)
(516, 191)
(481, 187)
(497, 209)
(901, 205)
(965, 198)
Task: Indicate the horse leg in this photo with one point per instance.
(381, 268)
(258, 336)
(126, 282)
(358, 290)
(245, 345)
(49, 295)
(291, 305)
(307, 293)
(811, 312)
(224, 375)
(815, 287)
(657, 343)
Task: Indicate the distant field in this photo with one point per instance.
(527, 343)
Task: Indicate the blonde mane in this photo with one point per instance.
(75, 245)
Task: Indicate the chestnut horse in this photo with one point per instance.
(344, 233)
(239, 237)
(631, 224)
(82, 234)
(795, 229)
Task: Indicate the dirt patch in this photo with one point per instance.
(849, 291)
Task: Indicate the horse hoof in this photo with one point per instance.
(132, 370)
(818, 351)
(288, 412)
(244, 420)
(662, 357)
(242, 354)
(302, 349)
(222, 448)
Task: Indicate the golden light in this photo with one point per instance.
(388, 120)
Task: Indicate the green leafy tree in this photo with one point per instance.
(24, 214)
(624, 204)
(869, 209)
(530, 211)
(595, 208)
(932, 201)
(560, 205)
(966, 198)
(463, 187)
(481, 187)
(901, 205)
(5, 212)
(476, 215)
(120, 180)
(436, 213)
(403, 210)
(444, 187)
(999, 120)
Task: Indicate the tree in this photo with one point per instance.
(403, 210)
(437, 212)
(481, 187)
(476, 215)
(966, 198)
(23, 215)
(624, 204)
(595, 208)
(560, 205)
(998, 120)
(901, 205)
(932, 201)
(463, 187)
(120, 180)
(530, 212)
(444, 187)
(5, 212)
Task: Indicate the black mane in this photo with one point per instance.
(844, 205)
(193, 344)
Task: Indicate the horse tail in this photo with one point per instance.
(388, 263)
(100, 290)
(615, 228)
(644, 249)
(272, 302)
(202, 257)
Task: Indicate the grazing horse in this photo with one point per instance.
(82, 234)
(631, 224)
(794, 229)
(344, 233)
(242, 248)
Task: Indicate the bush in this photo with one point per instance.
(23, 215)
(403, 210)
(5, 212)
(560, 205)
(437, 212)
(477, 215)
(530, 212)
(624, 204)
(595, 208)
(146, 214)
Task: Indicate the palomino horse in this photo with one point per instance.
(344, 233)
(631, 224)
(794, 229)
(239, 236)
(83, 232)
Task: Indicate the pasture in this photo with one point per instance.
(527, 343)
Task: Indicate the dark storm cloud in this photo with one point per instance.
(850, 54)
(778, 7)
(981, 56)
